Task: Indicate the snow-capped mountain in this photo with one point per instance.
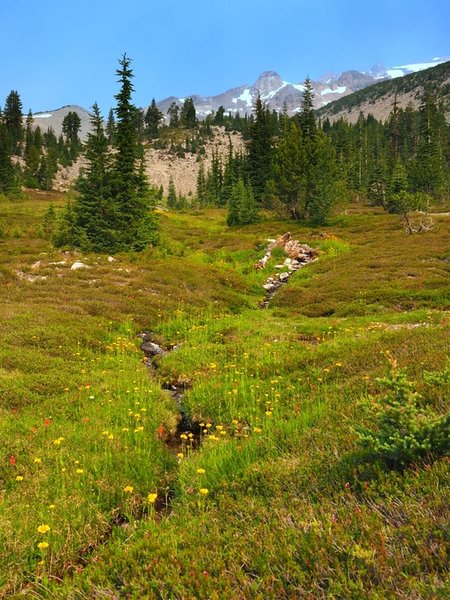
(278, 93)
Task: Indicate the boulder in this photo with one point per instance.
(79, 265)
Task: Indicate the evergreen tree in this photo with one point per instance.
(174, 115)
(219, 116)
(325, 184)
(153, 119)
(242, 208)
(95, 210)
(287, 188)
(111, 127)
(12, 119)
(71, 126)
(307, 116)
(135, 221)
(172, 195)
(188, 116)
(260, 150)
(113, 212)
(201, 185)
(428, 172)
(214, 181)
(7, 177)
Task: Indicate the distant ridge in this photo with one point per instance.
(378, 99)
(346, 94)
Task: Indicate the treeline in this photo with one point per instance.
(303, 169)
(407, 153)
(28, 156)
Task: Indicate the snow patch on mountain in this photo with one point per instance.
(246, 97)
(42, 116)
(338, 90)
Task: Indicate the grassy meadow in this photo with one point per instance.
(103, 496)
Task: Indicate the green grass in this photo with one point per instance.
(291, 508)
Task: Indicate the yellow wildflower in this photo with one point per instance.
(128, 489)
(200, 471)
(43, 528)
(19, 478)
(79, 471)
(204, 491)
(152, 497)
(42, 545)
(37, 461)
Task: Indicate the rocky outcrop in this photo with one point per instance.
(298, 255)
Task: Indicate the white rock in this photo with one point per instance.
(111, 259)
(79, 265)
(284, 276)
(269, 287)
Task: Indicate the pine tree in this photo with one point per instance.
(12, 119)
(111, 127)
(287, 188)
(325, 183)
(201, 185)
(113, 212)
(95, 209)
(242, 208)
(71, 126)
(188, 116)
(428, 171)
(153, 118)
(172, 195)
(260, 150)
(174, 115)
(135, 221)
(7, 177)
(307, 116)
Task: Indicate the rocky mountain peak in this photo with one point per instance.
(268, 82)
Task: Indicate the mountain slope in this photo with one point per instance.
(54, 118)
(378, 99)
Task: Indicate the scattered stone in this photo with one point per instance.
(111, 259)
(30, 278)
(58, 263)
(79, 265)
(36, 265)
(299, 255)
(269, 287)
(150, 348)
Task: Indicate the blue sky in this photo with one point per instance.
(56, 52)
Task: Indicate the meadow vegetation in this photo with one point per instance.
(285, 496)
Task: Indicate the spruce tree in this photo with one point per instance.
(172, 195)
(188, 116)
(95, 208)
(260, 150)
(134, 219)
(325, 184)
(12, 119)
(111, 127)
(307, 117)
(287, 188)
(7, 177)
(174, 115)
(201, 185)
(153, 118)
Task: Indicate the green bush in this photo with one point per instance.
(401, 432)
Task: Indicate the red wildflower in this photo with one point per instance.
(161, 431)
(47, 422)
(12, 460)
